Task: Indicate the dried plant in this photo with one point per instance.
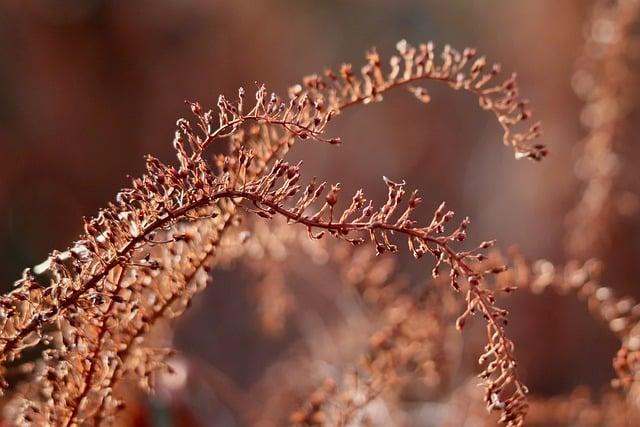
(602, 79)
(84, 330)
(341, 326)
(346, 401)
(621, 314)
(142, 258)
(409, 343)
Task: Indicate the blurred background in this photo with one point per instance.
(87, 87)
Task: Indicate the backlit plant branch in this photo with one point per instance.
(138, 254)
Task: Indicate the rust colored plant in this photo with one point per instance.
(89, 309)
(602, 77)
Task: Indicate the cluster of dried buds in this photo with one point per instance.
(460, 70)
(505, 391)
(144, 256)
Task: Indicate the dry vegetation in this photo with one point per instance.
(79, 330)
